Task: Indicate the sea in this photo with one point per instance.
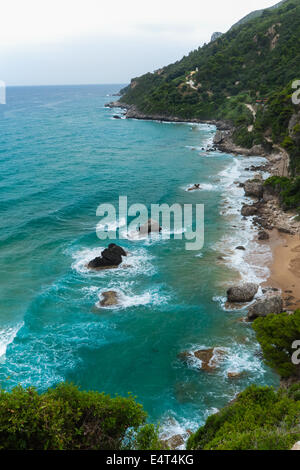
(62, 154)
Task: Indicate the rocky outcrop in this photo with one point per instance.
(150, 226)
(215, 36)
(248, 210)
(173, 442)
(110, 298)
(243, 293)
(254, 188)
(265, 306)
(110, 257)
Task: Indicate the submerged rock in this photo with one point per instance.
(195, 187)
(110, 298)
(243, 293)
(150, 226)
(265, 306)
(210, 358)
(110, 257)
(235, 375)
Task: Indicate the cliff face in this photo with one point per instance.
(244, 77)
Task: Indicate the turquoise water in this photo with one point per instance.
(61, 155)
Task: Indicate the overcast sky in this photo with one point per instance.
(94, 41)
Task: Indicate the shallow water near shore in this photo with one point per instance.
(61, 155)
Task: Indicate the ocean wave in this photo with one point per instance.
(7, 335)
(251, 263)
(203, 187)
(127, 297)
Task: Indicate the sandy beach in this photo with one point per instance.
(285, 267)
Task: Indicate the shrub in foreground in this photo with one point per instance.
(276, 334)
(66, 418)
(259, 419)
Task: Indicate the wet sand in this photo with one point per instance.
(285, 267)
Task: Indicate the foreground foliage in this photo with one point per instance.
(276, 334)
(66, 418)
(259, 419)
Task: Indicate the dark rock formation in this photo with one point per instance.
(243, 293)
(265, 306)
(254, 188)
(248, 210)
(110, 257)
(262, 235)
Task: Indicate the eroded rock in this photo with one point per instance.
(243, 293)
(265, 306)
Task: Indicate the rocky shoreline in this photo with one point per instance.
(271, 221)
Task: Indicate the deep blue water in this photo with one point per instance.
(61, 155)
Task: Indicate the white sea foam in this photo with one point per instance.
(7, 335)
(252, 263)
(203, 187)
(128, 298)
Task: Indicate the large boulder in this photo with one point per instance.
(254, 188)
(265, 306)
(149, 226)
(243, 293)
(110, 257)
(263, 235)
(248, 210)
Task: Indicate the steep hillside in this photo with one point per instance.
(256, 14)
(243, 77)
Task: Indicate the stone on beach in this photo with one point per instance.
(263, 235)
(265, 306)
(243, 293)
(110, 257)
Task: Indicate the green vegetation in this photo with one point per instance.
(254, 64)
(66, 418)
(259, 419)
(287, 189)
(276, 334)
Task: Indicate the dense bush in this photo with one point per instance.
(288, 190)
(259, 419)
(66, 418)
(276, 334)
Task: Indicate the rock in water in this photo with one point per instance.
(265, 306)
(150, 226)
(244, 293)
(110, 257)
(110, 298)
